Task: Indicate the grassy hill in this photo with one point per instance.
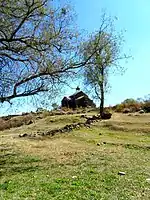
(81, 164)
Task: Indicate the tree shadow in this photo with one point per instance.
(12, 163)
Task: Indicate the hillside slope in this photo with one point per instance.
(81, 164)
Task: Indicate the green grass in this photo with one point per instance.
(73, 167)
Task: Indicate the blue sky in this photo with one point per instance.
(134, 17)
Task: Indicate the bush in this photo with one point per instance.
(119, 107)
(15, 122)
(133, 105)
(129, 104)
(146, 106)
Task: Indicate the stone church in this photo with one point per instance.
(77, 100)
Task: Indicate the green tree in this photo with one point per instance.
(146, 104)
(55, 106)
(130, 101)
(104, 49)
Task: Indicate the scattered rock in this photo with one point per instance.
(74, 177)
(25, 113)
(106, 115)
(67, 128)
(23, 135)
(121, 173)
(104, 143)
(88, 121)
(29, 122)
(148, 180)
(78, 126)
(81, 124)
(87, 126)
(141, 111)
(83, 116)
(39, 117)
(130, 114)
(46, 133)
(126, 110)
(98, 144)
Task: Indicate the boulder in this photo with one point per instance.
(126, 110)
(141, 111)
(83, 116)
(106, 115)
(23, 135)
(121, 173)
(29, 122)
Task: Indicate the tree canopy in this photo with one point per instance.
(104, 48)
(38, 44)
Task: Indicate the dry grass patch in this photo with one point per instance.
(47, 123)
(15, 122)
(133, 123)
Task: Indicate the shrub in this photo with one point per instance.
(15, 122)
(146, 106)
(128, 104)
(119, 107)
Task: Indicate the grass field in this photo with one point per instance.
(80, 165)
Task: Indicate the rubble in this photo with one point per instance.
(90, 120)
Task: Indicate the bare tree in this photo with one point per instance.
(38, 45)
(104, 47)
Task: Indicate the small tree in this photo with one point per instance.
(55, 106)
(104, 49)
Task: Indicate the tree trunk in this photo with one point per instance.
(102, 101)
(102, 93)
